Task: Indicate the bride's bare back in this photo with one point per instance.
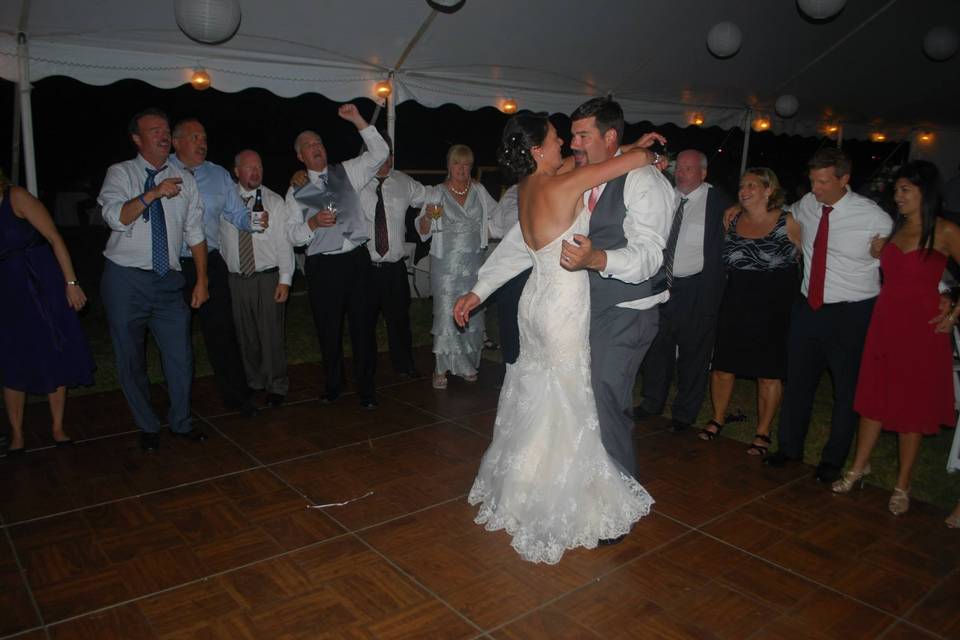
(546, 209)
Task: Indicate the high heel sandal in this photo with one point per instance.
(439, 381)
(759, 449)
(850, 479)
(953, 520)
(706, 434)
(899, 501)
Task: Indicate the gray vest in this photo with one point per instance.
(350, 223)
(606, 232)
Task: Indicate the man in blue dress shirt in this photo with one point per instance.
(152, 208)
(220, 198)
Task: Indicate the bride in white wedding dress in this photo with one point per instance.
(546, 478)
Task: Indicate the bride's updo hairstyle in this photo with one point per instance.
(523, 131)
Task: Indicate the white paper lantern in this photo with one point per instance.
(941, 43)
(821, 9)
(723, 39)
(787, 105)
(208, 21)
(446, 6)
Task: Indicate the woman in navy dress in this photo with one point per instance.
(42, 347)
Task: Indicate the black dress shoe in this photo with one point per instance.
(64, 444)
(827, 473)
(275, 399)
(778, 460)
(606, 542)
(676, 426)
(16, 452)
(409, 374)
(639, 413)
(194, 435)
(149, 441)
(368, 403)
(329, 398)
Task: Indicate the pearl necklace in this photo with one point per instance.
(458, 193)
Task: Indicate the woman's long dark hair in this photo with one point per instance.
(926, 177)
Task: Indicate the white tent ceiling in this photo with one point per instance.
(864, 68)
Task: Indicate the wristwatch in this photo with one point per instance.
(75, 283)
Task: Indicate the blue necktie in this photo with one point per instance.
(158, 227)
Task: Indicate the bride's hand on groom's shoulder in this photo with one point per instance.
(645, 141)
(464, 305)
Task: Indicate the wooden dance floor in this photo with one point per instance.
(216, 540)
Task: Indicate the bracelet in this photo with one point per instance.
(656, 157)
(75, 283)
(142, 200)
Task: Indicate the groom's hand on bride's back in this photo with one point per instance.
(464, 305)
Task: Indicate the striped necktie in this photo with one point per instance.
(671, 248)
(248, 264)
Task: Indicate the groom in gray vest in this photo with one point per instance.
(630, 220)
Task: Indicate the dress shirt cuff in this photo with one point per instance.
(286, 278)
(616, 263)
(483, 290)
(302, 234)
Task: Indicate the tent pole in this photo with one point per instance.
(26, 114)
(15, 140)
(392, 124)
(746, 142)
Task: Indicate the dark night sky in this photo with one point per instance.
(81, 129)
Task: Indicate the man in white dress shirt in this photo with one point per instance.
(841, 281)
(338, 264)
(629, 223)
(688, 319)
(151, 208)
(260, 267)
(385, 201)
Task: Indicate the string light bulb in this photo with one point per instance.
(383, 89)
(697, 119)
(878, 136)
(761, 124)
(200, 79)
(925, 137)
(509, 106)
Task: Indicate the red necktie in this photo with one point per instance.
(381, 241)
(818, 265)
(594, 196)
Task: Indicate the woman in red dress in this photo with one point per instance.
(905, 380)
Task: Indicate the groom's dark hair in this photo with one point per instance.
(608, 113)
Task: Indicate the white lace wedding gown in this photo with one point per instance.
(546, 478)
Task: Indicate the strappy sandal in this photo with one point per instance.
(439, 381)
(706, 434)
(759, 449)
(473, 377)
(954, 520)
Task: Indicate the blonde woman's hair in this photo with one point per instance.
(769, 181)
(459, 153)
